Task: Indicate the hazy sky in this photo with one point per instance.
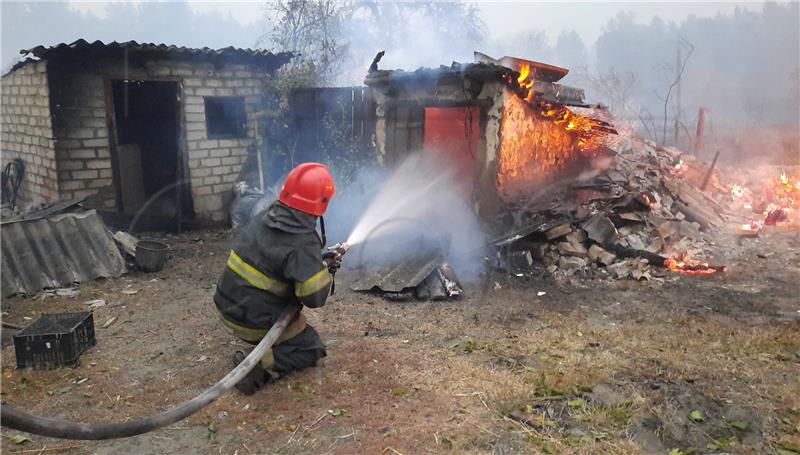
(505, 18)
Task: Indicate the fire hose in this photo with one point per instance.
(57, 428)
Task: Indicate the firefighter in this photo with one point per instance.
(277, 261)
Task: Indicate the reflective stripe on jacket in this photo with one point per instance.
(270, 267)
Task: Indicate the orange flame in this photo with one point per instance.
(532, 149)
(524, 72)
(690, 267)
(650, 202)
(750, 229)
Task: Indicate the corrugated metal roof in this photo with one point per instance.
(259, 57)
(57, 251)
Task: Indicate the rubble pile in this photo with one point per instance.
(638, 215)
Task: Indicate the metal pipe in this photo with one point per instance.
(57, 428)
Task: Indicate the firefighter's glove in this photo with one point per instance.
(333, 261)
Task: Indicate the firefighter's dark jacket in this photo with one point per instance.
(276, 260)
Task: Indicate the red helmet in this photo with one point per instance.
(308, 188)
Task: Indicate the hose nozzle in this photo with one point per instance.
(340, 249)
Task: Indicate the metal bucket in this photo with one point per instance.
(151, 255)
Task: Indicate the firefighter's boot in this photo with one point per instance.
(254, 380)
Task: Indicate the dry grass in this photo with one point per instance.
(444, 377)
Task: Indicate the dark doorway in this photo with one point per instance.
(149, 162)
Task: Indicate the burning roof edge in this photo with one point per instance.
(478, 71)
(81, 47)
(482, 72)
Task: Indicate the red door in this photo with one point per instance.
(452, 133)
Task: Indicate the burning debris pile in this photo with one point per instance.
(575, 198)
(765, 200)
(637, 214)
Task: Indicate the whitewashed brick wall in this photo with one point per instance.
(82, 145)
(214, 164)
(80, 127)
(27, 132)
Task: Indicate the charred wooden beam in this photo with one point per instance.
(621, 251)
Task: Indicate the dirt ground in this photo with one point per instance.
(707, 364)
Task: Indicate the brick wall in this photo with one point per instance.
(81, 131)
(214, 164)
(82, 146)
(27, 132)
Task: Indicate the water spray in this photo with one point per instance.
(421, 196)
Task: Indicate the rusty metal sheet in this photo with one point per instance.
(399, 276)
(541, 71)
(56, 251)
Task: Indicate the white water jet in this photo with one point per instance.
(422, 195)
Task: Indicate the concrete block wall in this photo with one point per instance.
(27, 132)
(81, 131)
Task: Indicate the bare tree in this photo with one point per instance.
(313, 30)
(689, 48)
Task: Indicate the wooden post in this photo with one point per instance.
(710, 172)
(260, 168)
(677, 94)
(258, 146)
(701, 128)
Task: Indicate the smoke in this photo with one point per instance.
(413, 34)
(419, 209)
(26, 24)
(596, 167)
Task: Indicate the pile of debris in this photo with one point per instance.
(642, 212)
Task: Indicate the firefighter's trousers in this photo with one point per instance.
(297, 348)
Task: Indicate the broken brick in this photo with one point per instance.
(559, 231)
(572, 249)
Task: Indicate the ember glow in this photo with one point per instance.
(532, 149)
(540, 138)
(750, 229)
(786, 191)
(776, 217)
(776, 198)
(690, 267)
(678, 168)
(653, 204)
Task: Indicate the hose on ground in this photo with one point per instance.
(57, 428)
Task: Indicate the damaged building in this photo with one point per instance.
(507, 125)
(134, 127)
(561, 192)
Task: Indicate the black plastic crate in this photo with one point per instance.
(54, 340)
